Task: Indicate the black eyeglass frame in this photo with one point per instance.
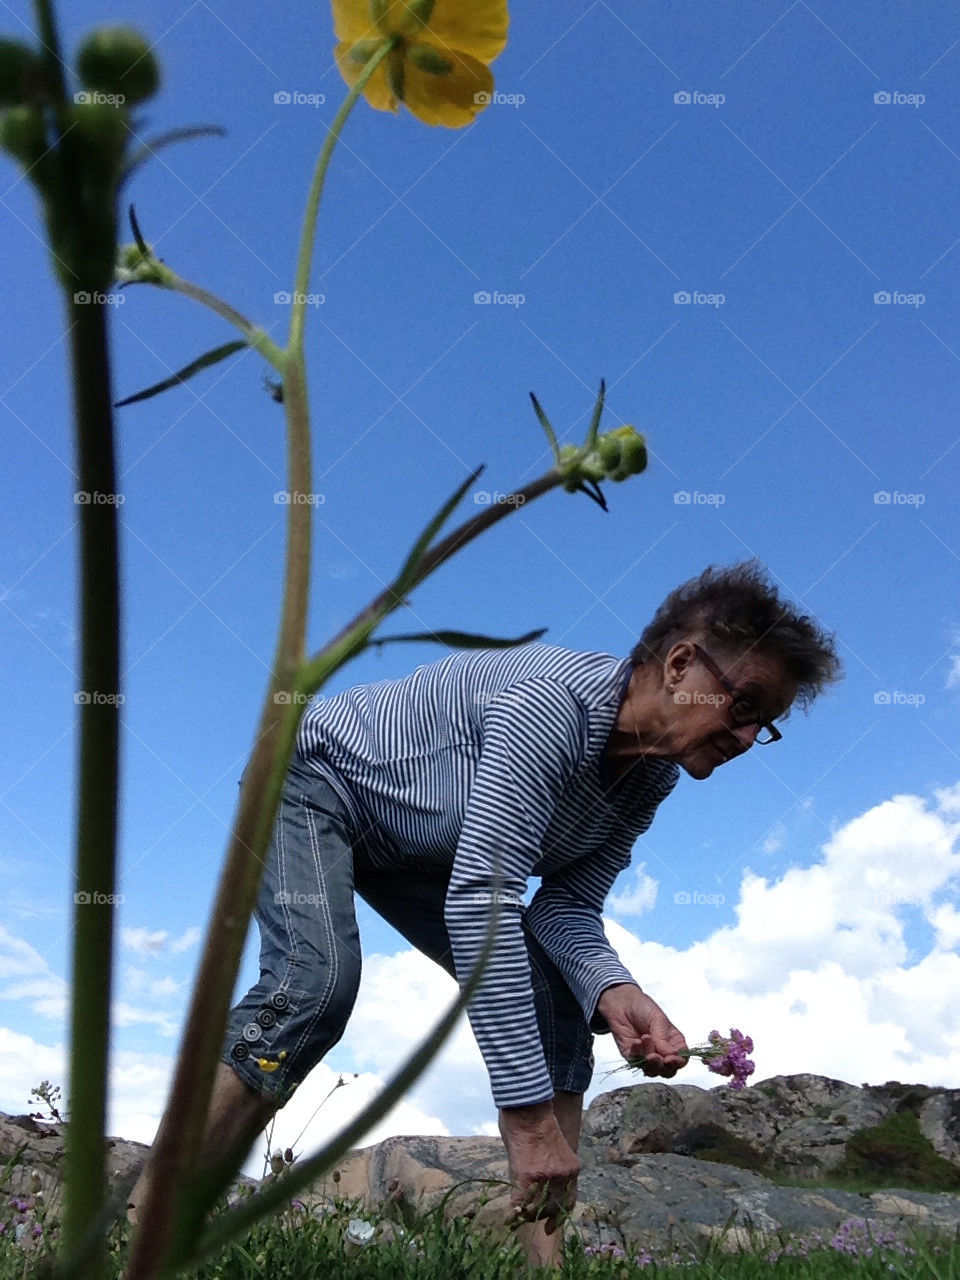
(736, 696)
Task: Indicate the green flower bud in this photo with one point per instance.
(22, 133)
(428, 59)
(634, 455)
(609, 451)
(103, 132)
(20, 67)
(592, 467)
(118, 60)
(131, 256)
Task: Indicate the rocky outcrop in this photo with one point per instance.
(659, 1163)
(675, 1162)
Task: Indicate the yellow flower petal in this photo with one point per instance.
(377, 91)
(474, 27)
(352, 21)
(449, 100)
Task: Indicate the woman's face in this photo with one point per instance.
(696, 728)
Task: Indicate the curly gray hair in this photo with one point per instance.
(739, 609)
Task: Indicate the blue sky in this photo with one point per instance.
(787, 202)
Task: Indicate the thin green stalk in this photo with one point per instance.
(308, 232)
(257, 337)
(178, 1143)
(93, 913)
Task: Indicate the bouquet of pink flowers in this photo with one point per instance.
(723, 1055)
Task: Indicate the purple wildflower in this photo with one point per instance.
(728, 1057)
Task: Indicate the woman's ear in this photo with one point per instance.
(676, 663)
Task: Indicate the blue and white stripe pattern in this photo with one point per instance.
(488, 762)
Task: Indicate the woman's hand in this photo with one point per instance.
(543, 1166)
(642, 1029)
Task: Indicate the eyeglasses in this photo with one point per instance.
(743, 709)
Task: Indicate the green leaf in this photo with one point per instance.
(464, 639)
(137, 233)
(597, 414)
(202, 362)
(404, 578)
(151, 147)
(545, 423)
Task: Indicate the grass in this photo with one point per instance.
(304, 1245)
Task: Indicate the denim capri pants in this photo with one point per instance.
(310, 948)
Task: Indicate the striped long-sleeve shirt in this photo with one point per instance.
(489, 761)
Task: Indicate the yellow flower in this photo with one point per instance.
(439, 68)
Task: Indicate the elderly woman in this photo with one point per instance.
(428, 793)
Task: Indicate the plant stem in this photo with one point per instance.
(85, 1165)
(308, 231)
(165, 1210)
(257, 337)
(353, 637)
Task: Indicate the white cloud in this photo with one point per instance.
(817, 968)
(142, 941)
(638, 897)
(187, 940)
(18, 958)
(946, 921)
(773, 841)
